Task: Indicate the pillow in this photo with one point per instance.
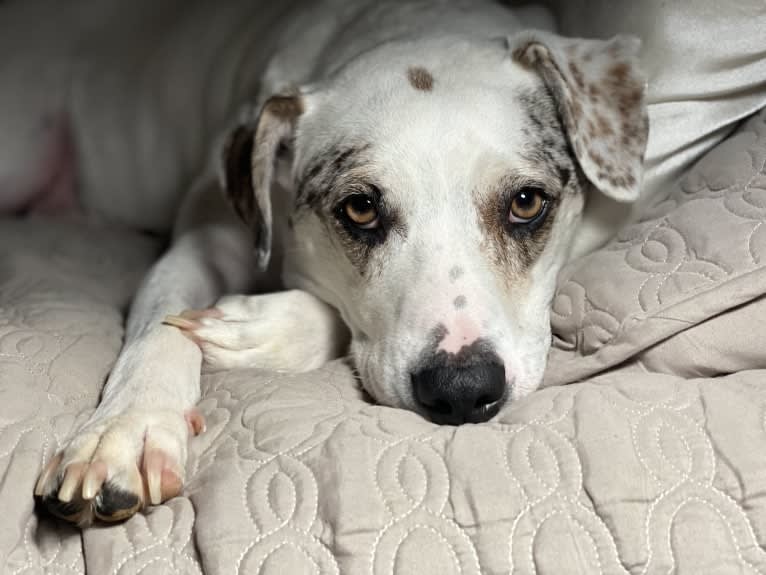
(685, 278)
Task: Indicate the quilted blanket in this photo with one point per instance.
(644, 453)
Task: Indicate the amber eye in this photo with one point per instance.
(361, 211)
(527, 205)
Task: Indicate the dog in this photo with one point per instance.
(409, 179)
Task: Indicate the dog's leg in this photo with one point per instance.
(132, 451)
(287, 331)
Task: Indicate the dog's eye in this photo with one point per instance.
(527, 205)
(361, 211)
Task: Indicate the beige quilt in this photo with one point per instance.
(651, 459)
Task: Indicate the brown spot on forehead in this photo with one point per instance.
(420, 78)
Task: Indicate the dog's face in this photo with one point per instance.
(434, 189)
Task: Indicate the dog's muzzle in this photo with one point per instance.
(466, 392)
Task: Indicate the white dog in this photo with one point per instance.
(415, 173)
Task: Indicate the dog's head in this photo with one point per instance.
(434, 189)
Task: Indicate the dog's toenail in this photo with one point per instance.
(114, 503)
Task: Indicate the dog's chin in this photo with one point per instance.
(386, 399)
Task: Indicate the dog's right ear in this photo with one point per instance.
(600, 92)
(249, 156)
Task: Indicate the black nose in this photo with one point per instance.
(456, 394)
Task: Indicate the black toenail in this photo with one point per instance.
(114, 503)
(66, 510)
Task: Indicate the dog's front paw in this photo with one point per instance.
(286, 331)
(115, 466)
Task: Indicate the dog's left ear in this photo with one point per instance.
(599, 89)
(248, 160)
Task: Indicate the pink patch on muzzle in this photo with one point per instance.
(461, 332)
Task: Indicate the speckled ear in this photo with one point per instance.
(600, 92)
(248, 159)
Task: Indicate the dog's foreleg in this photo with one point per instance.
(132, 451)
